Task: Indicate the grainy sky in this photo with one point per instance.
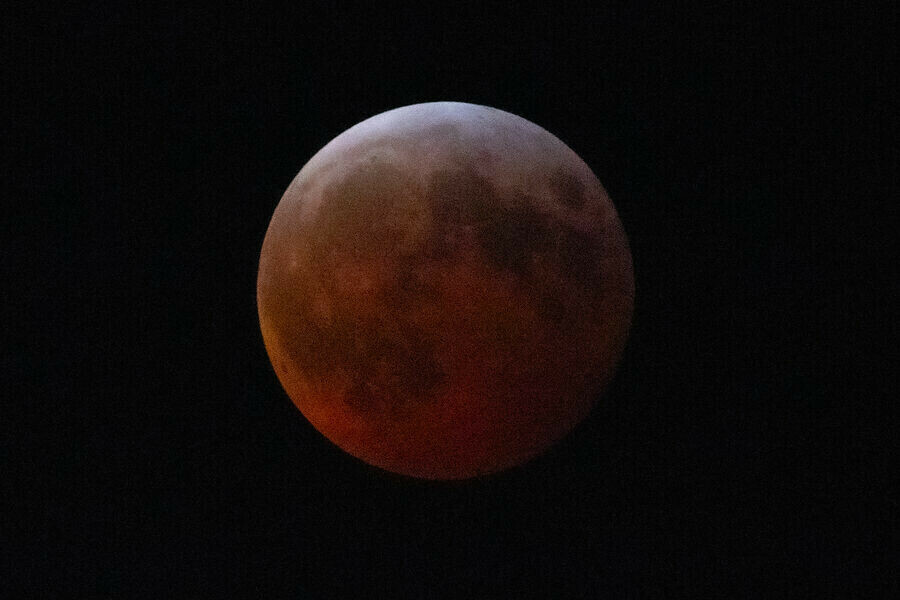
(741, 444)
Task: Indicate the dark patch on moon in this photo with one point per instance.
(514, 234)
(382, 363)
(389, 363)
(552, 308)
(510, 229)
(568, 188)
(460, 197)
(580, 255)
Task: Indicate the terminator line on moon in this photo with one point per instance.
(444, 289)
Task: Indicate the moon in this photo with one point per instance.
(444, 290)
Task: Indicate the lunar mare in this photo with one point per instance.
(444, 289)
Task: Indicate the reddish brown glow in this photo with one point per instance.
(444, 289)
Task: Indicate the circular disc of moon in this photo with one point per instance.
(444, 290)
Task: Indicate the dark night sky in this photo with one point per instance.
(152, 448)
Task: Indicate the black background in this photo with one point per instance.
(742, 444)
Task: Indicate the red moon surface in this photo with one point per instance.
(444, 290)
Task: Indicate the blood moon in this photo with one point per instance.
(444, 289)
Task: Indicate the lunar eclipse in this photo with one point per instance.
(444, 290)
